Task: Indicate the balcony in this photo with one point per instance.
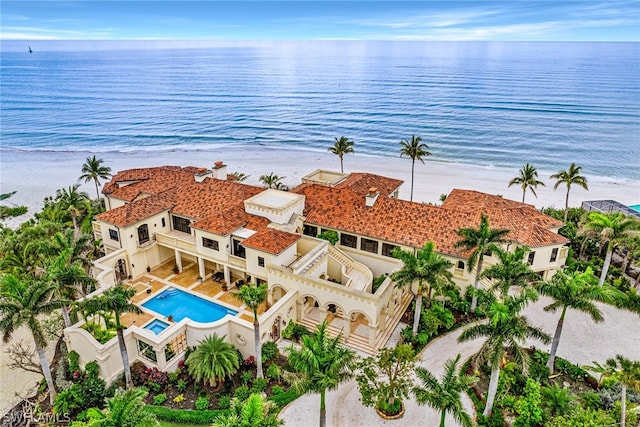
(237, 262)
(177, 240)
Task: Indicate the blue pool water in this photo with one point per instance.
(635, 207)
(157, 326)
(180, 304)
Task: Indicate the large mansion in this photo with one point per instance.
(200, 231)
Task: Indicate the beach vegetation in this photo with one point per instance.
(569, 177)
(10, 212)
(239, 176)
(23, 299)
(94, 170)
(612, 229)
(273, 181)
(428, 269)
(253, 296)
(480, 241)
(445, 395)
(527, 180)
(414, 149)
(321, 364)
(340, 147)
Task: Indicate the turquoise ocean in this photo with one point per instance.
(482, 103)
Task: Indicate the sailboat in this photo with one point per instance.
(30, 51)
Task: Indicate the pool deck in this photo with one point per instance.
(162, 277)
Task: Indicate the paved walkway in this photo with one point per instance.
(582, 342)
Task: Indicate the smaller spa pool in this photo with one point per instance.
(156, 326)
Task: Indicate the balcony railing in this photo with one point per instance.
(238, 262)
(177, 240)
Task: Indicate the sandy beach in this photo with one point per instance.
(37, 175)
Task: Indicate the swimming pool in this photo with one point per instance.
(156, 326)
(635, 207)
(180, 304)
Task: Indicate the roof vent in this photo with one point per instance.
(371, 196)
(220, 171)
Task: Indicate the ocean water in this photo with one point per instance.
(493, 104)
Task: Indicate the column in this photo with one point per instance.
(201, 270)
(178, 260)
(373, 329)
(299, 310)
(227, 275)
(346, 330)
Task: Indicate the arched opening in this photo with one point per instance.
(277, 292)
(359, 324)
(276, 329)
(121, 270)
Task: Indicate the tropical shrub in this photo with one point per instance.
(213, 360)
(73, 359)
(67, 401)
(329, 235)
(269, 351)
(528, 406)
(259, 385)
(242, 392)
(159, 399)
(246, 377)
(274, 372)
(224, 402)
(294, 332)
(181, 386)
(202, 403)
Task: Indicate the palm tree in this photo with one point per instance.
(578, 291)
(253, 296)
(272, 180)
(213, 360)
(73, 201)
(22, 301)
(116, 301)
(612, 228)
(506, 329)
(528, 179)
(482, 240)
(69, 279)
(256, 411)
(624, 371)
(125, 409)
(340, 147)
(569, 177)
(239, 176)
(322, 364)
(511, 270)
(92, 170)
(415, 150)
(428, 268)
(445, 396)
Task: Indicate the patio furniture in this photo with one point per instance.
(218, 276)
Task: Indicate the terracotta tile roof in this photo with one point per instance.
(132, 213)
(360, 183)
(412, 224)
(271, 240)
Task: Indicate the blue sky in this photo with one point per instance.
(548, 20)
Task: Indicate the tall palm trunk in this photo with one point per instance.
(566, 206)
(607, 263)
(493, 389)
(125, 356)
(623, 405)
(443, 415)
(97, 192)
(323, 410)
(413, 165)
(524, 192)
(556, 341)
(474, 298)
(416, 314)
(65, 316)
(46, 371)
(341, 165)
(256, 337)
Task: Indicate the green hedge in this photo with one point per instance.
(185, 415)
(283, 399)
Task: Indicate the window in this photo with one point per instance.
(238, 249)
(146, 350)
(554, 255)
(310, 230)
(260, 261)
(460, 265)
(532, 255)
(369, 245)
(181, 224)
(348, 240)
(113, 234)
(387, 249)
(143, 234)
(164, 223)
(211, 244)
(177, 346)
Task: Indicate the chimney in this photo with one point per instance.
(371, 196)
(201, 174)
(220, 171)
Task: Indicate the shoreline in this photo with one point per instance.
(37, 174)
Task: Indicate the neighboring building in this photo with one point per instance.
(187, 216)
